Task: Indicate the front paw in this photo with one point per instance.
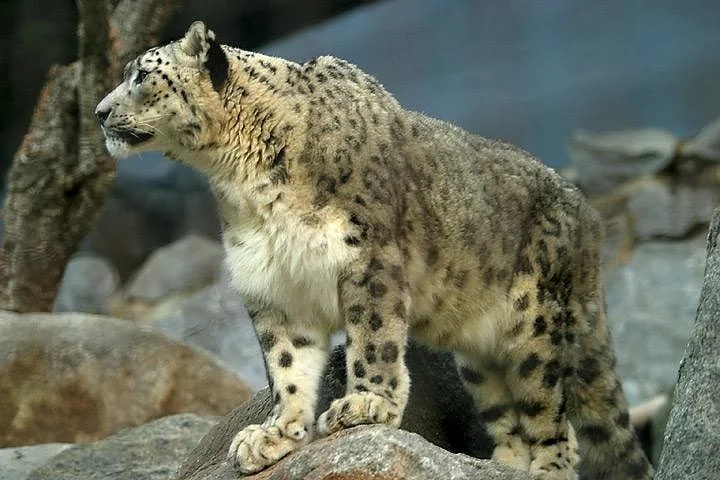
(359, 409)
(258, 446)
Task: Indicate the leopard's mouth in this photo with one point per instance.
(129, 136)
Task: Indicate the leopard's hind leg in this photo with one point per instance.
(521, 392)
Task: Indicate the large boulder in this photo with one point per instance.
(187, 264)
(169, 276)
(149, 452)
(667, 208)
(78, 378)
(216, 320)
(692, 437)
(651, 303)
(606, 160)
(375, 452)
(18, 462)
(87, 285)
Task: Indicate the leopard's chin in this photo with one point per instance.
(131, 137)
(125, 143)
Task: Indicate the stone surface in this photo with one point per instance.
(215, 319)
(651, 306)
(17, 463)
(149, 452)
(185, 265)
(374, 453)
(692, 436)
(605, 161)
(662, 208)
(87, 285)
(78, 378)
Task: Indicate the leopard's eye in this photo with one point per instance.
(140, 76)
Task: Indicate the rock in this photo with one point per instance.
(651, 306)
(186, 265)
(215, 319)
(78, 378)
(605, 161)
(660, 207)
(375, 452)
(706, 144)
(168, 278)
(439, 410)
(17, 463)
(149, 452)
(691, 437)
(87, 285)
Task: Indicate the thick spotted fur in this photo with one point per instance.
(342, 210)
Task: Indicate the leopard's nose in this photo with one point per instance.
(102, 114)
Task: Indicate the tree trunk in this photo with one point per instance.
(61, 173)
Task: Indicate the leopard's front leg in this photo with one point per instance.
(375, 304)
(295, 356)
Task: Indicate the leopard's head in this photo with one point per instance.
(168, 99)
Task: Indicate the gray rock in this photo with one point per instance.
(188, 264)
(78, 378)
(651, 305)
(17, 463)
(604, 161)
(375, 452)
(706, 144)
(87, 285)
(692, 436)
(660, 208)
(215, 319)
(149, 452)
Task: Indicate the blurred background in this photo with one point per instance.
(526, 71)
(523, 70)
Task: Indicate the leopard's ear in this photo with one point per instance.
(199, 42)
